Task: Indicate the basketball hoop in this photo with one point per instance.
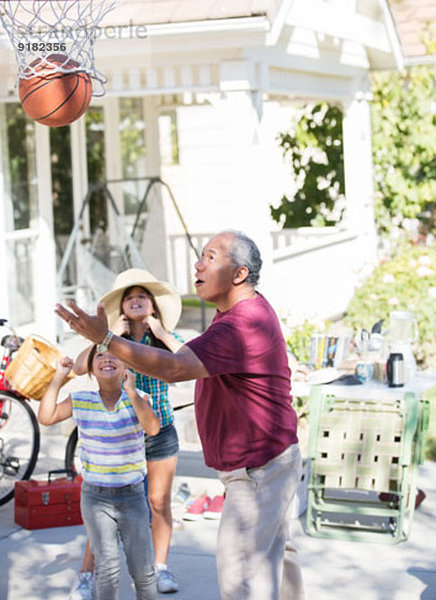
(38, 29)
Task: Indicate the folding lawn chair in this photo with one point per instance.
(365, 455)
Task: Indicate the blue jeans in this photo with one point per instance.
(112, 514)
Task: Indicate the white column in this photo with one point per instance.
(358, 166)
(44, 260)
(79, 168)
(151, 112)
(113, 166)
(155, 246)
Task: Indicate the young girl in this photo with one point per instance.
(145, 310)
(111, 424)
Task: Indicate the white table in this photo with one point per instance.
(372, 390)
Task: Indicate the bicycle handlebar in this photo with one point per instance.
(12, 342)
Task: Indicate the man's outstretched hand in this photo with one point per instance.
(92, 327)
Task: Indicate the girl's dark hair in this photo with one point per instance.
(91, 355)
(154, 341)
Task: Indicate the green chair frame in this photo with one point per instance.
(364, 460)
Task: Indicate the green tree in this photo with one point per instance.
(95, 154)
(315, 150)
(133, 152)
(404, 144)
(62, 180)
(20, 147)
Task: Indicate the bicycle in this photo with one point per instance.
(72, 454)
(19, 429)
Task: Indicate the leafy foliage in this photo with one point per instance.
(132, 144)
(298, 340)
(20, 137)
(404, 144)
(62, 179)
(406, 282)
(316, 155)
(430, 446)
(95, 155)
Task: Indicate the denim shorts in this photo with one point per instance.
(163, 445)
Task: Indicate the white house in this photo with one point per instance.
(204, 94)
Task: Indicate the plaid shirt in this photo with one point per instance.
(157, 389)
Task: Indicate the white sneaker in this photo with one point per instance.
(83, 587)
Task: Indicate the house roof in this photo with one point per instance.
(371, 25)
(177, 11)
(156, 12)
(414, 19)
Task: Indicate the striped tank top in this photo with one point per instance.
(111, 442)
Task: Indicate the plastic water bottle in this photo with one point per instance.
(182, 494)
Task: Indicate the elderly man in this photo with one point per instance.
(243, 408)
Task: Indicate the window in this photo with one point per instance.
(20, 168)
(95, 155)
(133, 154)
(20, 205)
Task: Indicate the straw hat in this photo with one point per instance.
(166, 296)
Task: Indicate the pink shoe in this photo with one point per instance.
(215, 508)
(197, 508)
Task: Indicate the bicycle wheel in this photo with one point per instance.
(72, 457)
(19, 443)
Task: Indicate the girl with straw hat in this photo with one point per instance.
(145, 310)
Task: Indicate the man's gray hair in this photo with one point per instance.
(245, 253)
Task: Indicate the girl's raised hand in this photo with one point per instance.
(129, 381)
(121, 326)
(64, 366)
(155, 325)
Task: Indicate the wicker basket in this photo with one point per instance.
(33, 367)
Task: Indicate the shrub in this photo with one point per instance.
(405, 282)
(298, 340)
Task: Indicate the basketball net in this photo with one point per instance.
(40, 28)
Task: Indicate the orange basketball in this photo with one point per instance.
(54, 98)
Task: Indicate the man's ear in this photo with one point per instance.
(241, 274)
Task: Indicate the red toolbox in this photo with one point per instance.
(51, 503)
